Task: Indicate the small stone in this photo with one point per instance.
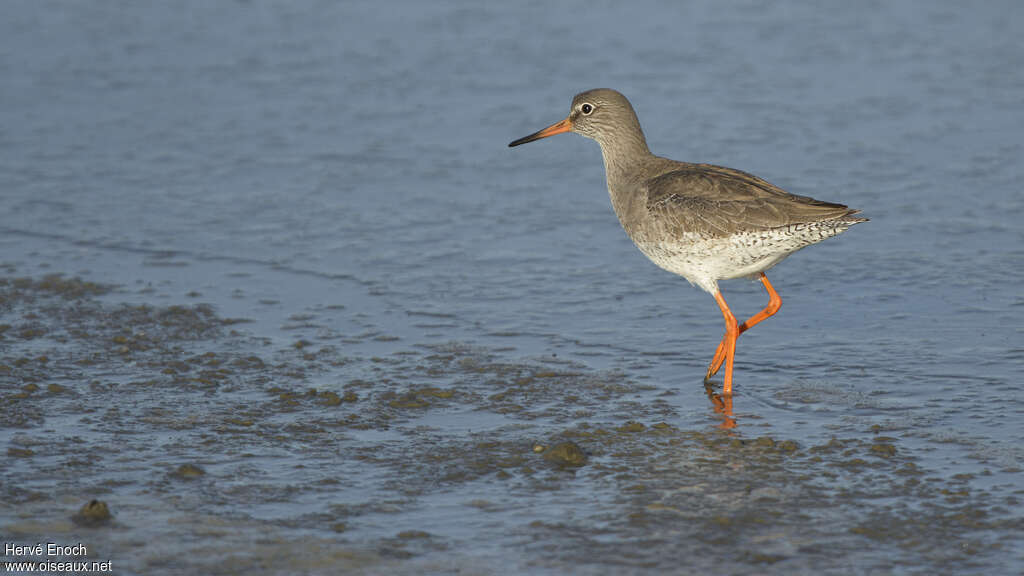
(566, 454)
(329, 398)
(883, 450)
(632, 427)
(93, 513)
(188, 472)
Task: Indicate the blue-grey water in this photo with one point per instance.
(277, 293)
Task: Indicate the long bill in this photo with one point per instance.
(556, 128)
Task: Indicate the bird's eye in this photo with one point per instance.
(586, 109)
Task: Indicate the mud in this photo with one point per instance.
(441, 458)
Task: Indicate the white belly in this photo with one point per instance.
(705, 261)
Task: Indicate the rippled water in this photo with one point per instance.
(294, 251)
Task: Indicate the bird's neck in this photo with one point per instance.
(626, 159)
(624, 156)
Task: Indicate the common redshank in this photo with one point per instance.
(703, 222)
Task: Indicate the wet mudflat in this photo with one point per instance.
(215, 453)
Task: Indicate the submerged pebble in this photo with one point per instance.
(188, 472)
(92, 513)
(566, 454)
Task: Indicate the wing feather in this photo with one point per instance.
(713, 201)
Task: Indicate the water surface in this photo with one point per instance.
(285, 244)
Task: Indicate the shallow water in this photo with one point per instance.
(286, 244)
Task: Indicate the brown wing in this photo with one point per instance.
(714, 201)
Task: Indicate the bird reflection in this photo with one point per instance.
(722, 405)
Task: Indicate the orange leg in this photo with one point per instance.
(774, 303)
(732, 331)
